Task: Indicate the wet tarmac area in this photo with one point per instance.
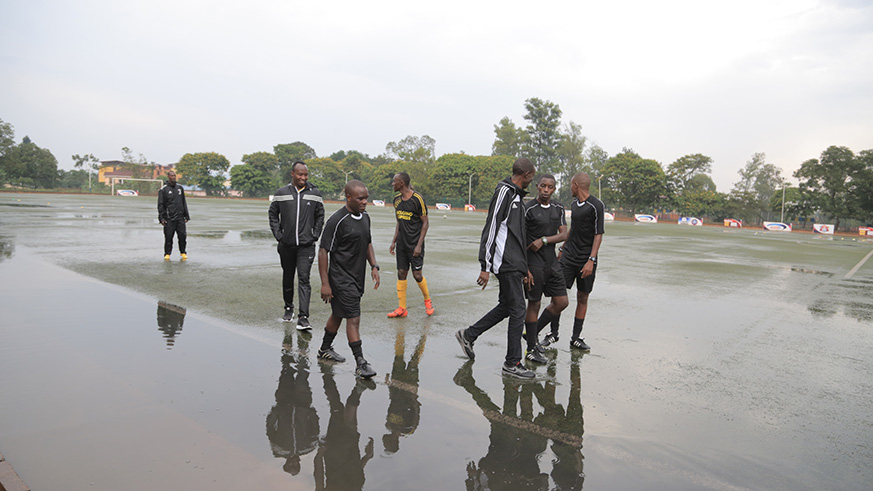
(721, 359)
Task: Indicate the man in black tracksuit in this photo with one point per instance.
(296, 218)
(503, 251)
(173, 215)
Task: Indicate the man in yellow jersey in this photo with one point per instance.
(408, 243)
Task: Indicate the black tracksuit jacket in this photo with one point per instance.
(297, 217)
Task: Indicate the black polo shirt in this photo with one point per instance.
(542, 221)
(586, 221)
(346, 238)
(408, 213)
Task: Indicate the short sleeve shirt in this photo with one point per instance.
(346, 238)
(408, 213)
(586, 221)
(542, 221)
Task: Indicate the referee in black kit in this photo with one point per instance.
(346, 247)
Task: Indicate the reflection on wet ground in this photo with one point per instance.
(720, 361)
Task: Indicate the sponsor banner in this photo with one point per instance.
(865, 230)
(378, 202)
(690, 221)
(733, 222)
(777, 226)
(469, 207)
(444, 206)
(645, 218)
(607, 216)
(127, 192)
(820, 228)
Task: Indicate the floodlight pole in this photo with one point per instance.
(470, 190)
(782, 220)
(347, 175)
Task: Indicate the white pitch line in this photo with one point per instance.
(858, 266)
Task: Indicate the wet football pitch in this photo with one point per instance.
(721, 359)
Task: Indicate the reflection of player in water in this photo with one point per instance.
(170, 320)
(567, 447)
(511, 461)
(404, 410)
(518, 438)
(292, 425)
(338, 462)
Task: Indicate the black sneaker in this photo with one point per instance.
(518, 371)
(579, 343)
(536, 356)
(330, 355)
(288, 316)
(549, 340)
(466, 344)
(303, 323)
(364, 369)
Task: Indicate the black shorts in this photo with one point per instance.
(573, 274)
(405, 259)
(548, 281)
(345, 306)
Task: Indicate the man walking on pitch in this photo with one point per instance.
(546, 226)
(502, 252)
(579, 257)
(408, 243)
(296, 218)
(173, 215)
(346, 248)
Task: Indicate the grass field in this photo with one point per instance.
(722, 358)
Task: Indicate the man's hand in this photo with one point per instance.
(484, 276)
(536, 245)
(528, 280)
(163, 222)
(326, 293)
(375, 274)
(588, 269)
(391, 249)
(417, 251)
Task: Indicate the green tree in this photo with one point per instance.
(571, 157)
(206, 170)
(7, 138)
(89, 164)
(864, 187)
(418, 153)
(288, 153)
(684, 169)
(596, 159)
(702, 203)
(544, 136)
(509, 139)
(758, 181)
(28, 165)
(634, 182)
(325, 173)
(252, 181)
(833, 178)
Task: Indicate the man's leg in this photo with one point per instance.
(353, 332)
(513, 296)
(169, 230)
(421, 281)
(288, 259)
(579, 319)
(305, 258)
(326, 351)
(182, 234)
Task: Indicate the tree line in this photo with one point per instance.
(837, 186)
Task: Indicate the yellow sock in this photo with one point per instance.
(423, 286)
(401, 293)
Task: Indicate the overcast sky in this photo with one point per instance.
(670, 78)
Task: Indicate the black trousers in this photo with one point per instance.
(175, 227)
(510, 303)
(296, 259)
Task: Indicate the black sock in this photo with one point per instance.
(577, 327)
(530, 334)
(545, 318)
(327, 341)
(357, 351)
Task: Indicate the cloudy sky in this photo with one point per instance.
(669, 78)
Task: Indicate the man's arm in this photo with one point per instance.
(588, 268)
(496, 210)
(323, 263)
(425, 224)
(374, 270)
(162, 208)
(185, 206)
(319, 218)
(394, 240)
(274, 219)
